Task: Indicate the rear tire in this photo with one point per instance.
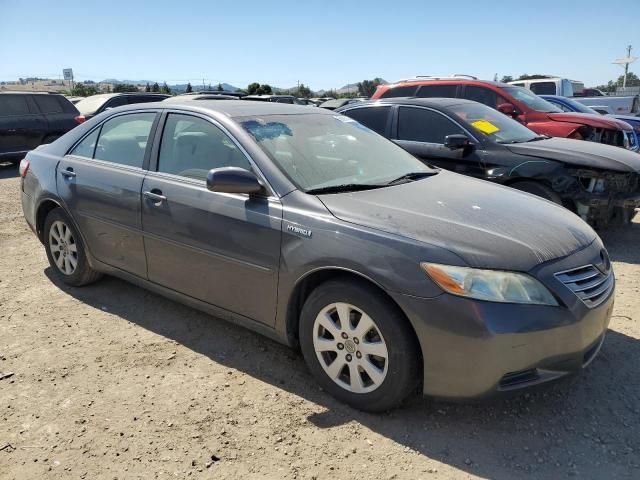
(538, 189)
(66, 251)
(359, 346)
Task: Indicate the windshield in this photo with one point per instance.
(318, 151)
(579, 107)
(493, 124)
(89, 105)
(531, 100)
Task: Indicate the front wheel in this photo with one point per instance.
(359, 346)
(65, 250)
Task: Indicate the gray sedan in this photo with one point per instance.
(304, 225)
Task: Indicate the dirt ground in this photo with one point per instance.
(111, 381)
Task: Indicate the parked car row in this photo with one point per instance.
(391, 275)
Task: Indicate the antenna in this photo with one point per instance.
(625, 61)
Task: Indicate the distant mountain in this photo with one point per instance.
(179, 88)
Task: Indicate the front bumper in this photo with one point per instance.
(474, 348)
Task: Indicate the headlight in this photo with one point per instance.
(491, 285)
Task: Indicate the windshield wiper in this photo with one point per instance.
(346, 187)
(408, 177)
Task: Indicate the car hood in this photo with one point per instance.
(597, 121)
(580, 153)
(487, 225)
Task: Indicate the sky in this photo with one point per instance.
(321, 44)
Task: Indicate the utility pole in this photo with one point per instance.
(298, 94)
(626, 67)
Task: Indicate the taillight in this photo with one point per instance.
(80, 119)
(24, 167)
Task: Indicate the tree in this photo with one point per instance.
(165, 89)
(256, 89)
(252, 88)
(155, 88)
(303, 91)
(220, 88)
(124, 87)
(367, 88)
(81, 90)
(506, 79)
(189, 88)
(536, 76)
(147, 88)
(632, 80)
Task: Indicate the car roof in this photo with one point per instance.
(423, 102)
(455, 80)
(237, 108)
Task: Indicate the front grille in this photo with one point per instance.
(590, 285)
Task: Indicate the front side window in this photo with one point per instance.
(373, 117)
(322, 151)
(191, 146)
(123, 139)
(87, 146)
(482, 95)
(492, 124)
(421, 125)
(531, 100)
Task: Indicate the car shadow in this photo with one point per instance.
(500, 438)
(8, 170)
(622, 242)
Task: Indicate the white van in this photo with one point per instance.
(552, 86)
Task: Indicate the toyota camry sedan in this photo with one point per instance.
(391, 276)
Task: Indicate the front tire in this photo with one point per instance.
(65, 250)
(359, 346)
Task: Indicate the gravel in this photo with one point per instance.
(112, 381)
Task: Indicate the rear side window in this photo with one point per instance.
(123, 139)
(192, 146)
(435, 91)
(48, 103)
(421, 125)
(13, 105)
(406, 91)
(544, 88)
(373, 117)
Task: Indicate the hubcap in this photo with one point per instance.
(63, 247)
(350, 348)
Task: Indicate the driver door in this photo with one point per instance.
(221, 248)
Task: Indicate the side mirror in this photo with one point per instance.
(233, 180)
(457, 141)
(508, 109)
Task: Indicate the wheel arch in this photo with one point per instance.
(313, 279)
(44, 207)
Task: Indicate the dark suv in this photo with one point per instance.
(95, 104)
(30, 119)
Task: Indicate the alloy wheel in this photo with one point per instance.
(350, 347)
(64, 249)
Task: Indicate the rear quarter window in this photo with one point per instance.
(406, 91)
(48, 103)
(11, 105)
(373, 117)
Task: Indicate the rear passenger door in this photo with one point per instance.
(22, 127)
(422, 131)
(221, 248)
(100, 181)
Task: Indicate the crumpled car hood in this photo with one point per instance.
(581, 153)
(598, 121)
(487, 225)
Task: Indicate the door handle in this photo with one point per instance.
(155, 196)
(68, 173)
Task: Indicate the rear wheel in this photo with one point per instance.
(359, 346)
(538, 189)
(65, 250)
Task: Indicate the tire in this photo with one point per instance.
(393, 379)
(538, 189)
(66, 251)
